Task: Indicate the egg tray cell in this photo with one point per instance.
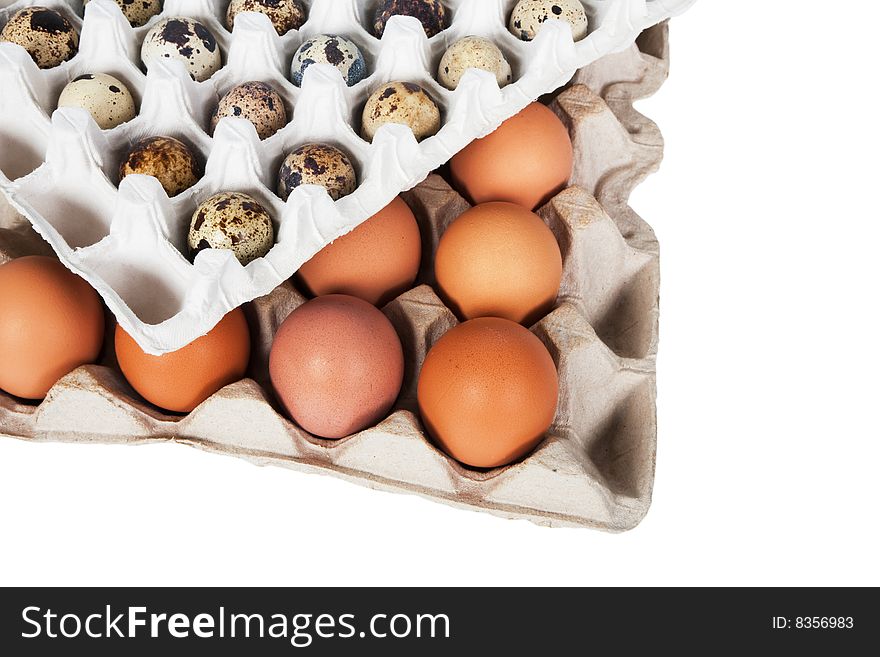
(596, 467)
(128, 239)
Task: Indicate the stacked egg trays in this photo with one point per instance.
(61, 171)
(596, 466)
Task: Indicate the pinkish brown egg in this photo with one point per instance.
(336, 365)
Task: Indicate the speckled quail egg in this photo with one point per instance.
(317, 164)
(48, 37)
(401, 102)
(168, 160)
(107, 99)
(329, 49)
(138, 12)
(431, 14)
(285, 15)
(185, 40)
(529, 15)
(255, 101)
(473, 52)
(234, 221)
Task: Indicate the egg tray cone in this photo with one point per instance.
(128, 239)
(595, 469)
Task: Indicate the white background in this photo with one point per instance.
(768, 456)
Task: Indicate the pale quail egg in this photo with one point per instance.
(107, 99)
(431, 14)
(168, 160)
(473, 52)
(234, 221)
(285, 15)
(529, 15)
(138, 12)
(317, 164)
(185, 40)
(48, 37)
(401, 102)
(258, 103)
(329, 49)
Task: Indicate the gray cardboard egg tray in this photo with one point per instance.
(596, 467)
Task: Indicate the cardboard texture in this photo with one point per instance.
(596, 467)
(61, 171)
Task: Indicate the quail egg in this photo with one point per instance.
(431, 14)
(529, 15)
(285, 15)
(138, 12)
(317, 164)
(185, 40)
(401, 102)
(329, 49)
(168, 160)
(255, 101)
(234, 221)
(473, 52)
(48, 37)
(107, 99)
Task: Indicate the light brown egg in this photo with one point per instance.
(51, 322)
(336, 365)
(183, 379)
(376, 261)
(499, 260)
(527, 160)
(488, 392)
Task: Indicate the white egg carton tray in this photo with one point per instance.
(596, 467)
(128, 239)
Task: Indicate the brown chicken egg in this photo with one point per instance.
(336, 365)
(526, 161)
(376, 261)
(488, 392)
(181, 380)
(499, 260)
(51, 322)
